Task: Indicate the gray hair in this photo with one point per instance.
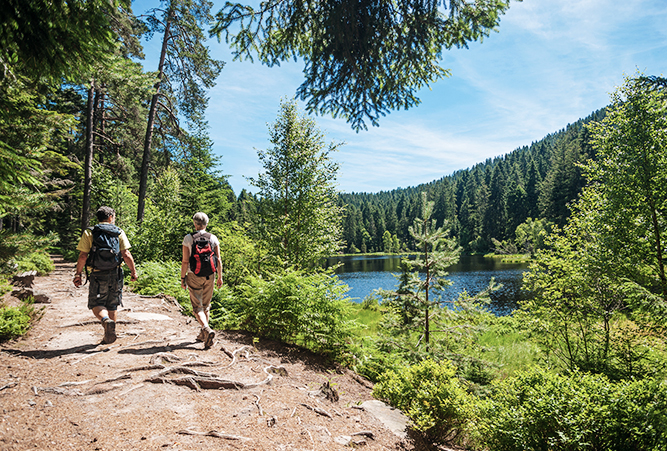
(200, 219)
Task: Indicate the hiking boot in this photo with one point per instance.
(202, 335)
(109, 331)
(210, 335)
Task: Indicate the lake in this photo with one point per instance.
(472, 273)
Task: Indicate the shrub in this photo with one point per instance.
(434, 399)
(5, 286)
(158, 277)
(15, 321)
(225, 309)
(300, 309)
(16, 252)
(538, 410)
(161, 277)
(35, 261)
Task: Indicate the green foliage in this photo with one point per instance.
(28, 249)
(29, 134)
(362, 58)
(161, 278)
(624, 208)
(160, 237)
(226, 310)
(62, 39)
(531, 235)
(600, 292)
(414, 299)
(434, 399)
(15, 321)
(540, 410)
(158, 277)
(240, 256)
(300, 218)
(580, 315)
(5, 286)
(371, 302)
(297, 308)
(35, 261)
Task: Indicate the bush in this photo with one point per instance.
(161, 278)
(15, 321)
(5, 286)
(35, 261)
(538, 410)
(300, 309)
(19, 247)
(158, 277)
(434, 399)
(225, 309)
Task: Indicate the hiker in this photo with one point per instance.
(102, 249)
(201, 255)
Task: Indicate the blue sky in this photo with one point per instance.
(550, 64)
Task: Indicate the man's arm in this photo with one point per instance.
(129, 261)
(80, 263)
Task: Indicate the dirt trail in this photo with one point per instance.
(61, 389)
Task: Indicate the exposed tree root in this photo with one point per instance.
(157, 366)
(213, 434)
(368, 434)
(57, 391)
(199, 380)
(10, 385)
(259, 407)
(318, 410)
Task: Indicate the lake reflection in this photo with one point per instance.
(363, 274)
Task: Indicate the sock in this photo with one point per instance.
(105, 319)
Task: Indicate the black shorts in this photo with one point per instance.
(106, 289)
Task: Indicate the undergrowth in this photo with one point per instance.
(16, 321)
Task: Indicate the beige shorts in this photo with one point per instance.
(201, 291)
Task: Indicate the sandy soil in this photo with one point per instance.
(61, 389)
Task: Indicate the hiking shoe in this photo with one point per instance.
(210, 335)
(109, 331)
(202, 335)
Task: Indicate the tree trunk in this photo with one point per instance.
(143, 183)
(88, 164)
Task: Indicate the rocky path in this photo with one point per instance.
(155, 388)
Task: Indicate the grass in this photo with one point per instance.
(368, 318)
(510, 258)
(511, 352)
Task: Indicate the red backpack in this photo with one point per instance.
(203, 261)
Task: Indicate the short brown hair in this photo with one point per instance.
(103, 213)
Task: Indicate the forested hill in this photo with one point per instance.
(485, 202)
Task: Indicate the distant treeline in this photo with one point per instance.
(486, 201)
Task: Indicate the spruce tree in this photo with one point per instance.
(415, 298)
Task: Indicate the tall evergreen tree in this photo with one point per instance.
(362, 58)
(185, 72)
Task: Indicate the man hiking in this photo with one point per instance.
(102, 250)
(201, 255)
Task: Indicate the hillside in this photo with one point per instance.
(156, 388)
(487, 201)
